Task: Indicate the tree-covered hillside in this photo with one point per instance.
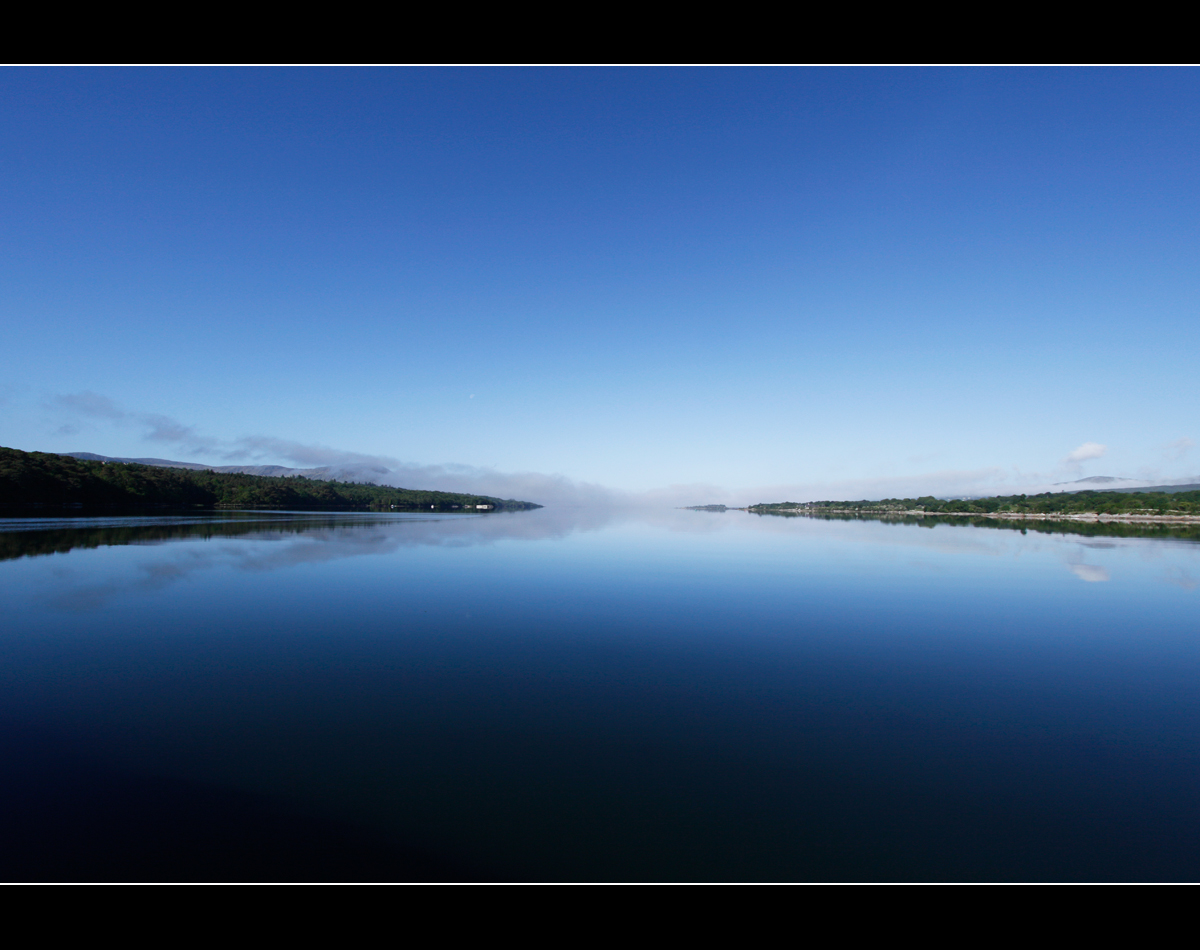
(1048, 503)
(39, 479)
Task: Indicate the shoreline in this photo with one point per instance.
(1087, 517)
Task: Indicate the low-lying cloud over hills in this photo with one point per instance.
(249, 453)
(559, 490)
(526, 486)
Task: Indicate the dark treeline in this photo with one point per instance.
(42, 480)
(1048, 503)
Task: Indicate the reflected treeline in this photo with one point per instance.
(1109, 529)
(29, 540)
(256, 543)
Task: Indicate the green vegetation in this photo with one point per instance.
(41, 480)
(1048, 503)
(1050, 525)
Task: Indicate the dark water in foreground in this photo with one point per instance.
(577, 696)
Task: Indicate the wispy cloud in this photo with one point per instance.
(1176, 450)
(327, 462)
(939, 483)
(90, 404)
(261, 446)
(155, 426)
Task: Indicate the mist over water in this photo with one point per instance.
(596, 694)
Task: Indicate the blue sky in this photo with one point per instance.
(823, 280)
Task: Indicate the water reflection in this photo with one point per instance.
(280, 540)
(1097, 529)
(1071, 540)
(1089, 572)
(67, 816)
(289, 539)
(613, 695)
(30, 537)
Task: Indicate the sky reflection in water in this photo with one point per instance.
(591, 695)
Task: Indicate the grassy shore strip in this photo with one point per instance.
(1082, 517)
(40, 480)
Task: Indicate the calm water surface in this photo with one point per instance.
(577, 696)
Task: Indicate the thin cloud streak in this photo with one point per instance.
(157, 427)
(1178, 449)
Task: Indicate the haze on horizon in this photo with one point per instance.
(684, 285)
